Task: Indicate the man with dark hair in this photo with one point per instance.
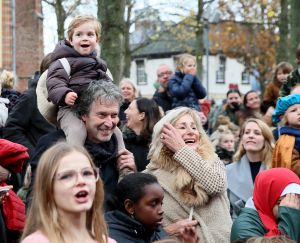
(98, 107)
(231, 108)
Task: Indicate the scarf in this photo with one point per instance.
(102, 153)
(268, 187)
(288, 140)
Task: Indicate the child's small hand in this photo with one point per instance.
(191, 71)
(70, 98)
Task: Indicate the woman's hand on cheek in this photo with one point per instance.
(291, 200)
(171, 138)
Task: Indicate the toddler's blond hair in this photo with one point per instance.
(82, 19)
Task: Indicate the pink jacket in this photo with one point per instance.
(39, 237)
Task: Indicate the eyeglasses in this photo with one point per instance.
(70, 178)
(164, 73)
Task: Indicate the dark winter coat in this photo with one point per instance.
(186, 90)
(25, 124)
(137, 145)
(163, 99)
(122, 115)
(125, 229)
(292, 80)
(224, 155)
(104, 156)
(13, 97)
(83, 70)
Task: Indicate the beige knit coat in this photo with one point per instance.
(211, 207)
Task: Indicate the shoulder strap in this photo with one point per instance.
(64, 62)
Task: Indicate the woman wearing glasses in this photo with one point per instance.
(67, 199)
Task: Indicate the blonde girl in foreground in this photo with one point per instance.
(67, 199)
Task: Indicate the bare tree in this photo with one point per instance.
(111, 15)
(282, 51)
(63, 9)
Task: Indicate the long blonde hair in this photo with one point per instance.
(43, 214)
(268, 145)
(156, 146)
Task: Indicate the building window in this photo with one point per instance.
(245, 77)
(140, 72)
(220, 75)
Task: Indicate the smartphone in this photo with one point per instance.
(4, 189)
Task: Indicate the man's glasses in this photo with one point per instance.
(69, 178)
(164, 73)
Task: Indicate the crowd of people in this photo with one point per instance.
(85, 160)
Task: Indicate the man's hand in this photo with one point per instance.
(70, 98)
(3, 173)
(125, 160)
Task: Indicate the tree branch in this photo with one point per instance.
(73, 7)
(50, 3)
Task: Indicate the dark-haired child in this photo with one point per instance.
(293, 79)
(138, 213)
(271, 93)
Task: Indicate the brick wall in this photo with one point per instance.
(29, 38)
(29, 31)
(6, 35)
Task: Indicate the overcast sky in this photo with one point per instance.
(166, 6)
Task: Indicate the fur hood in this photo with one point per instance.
(188, 189)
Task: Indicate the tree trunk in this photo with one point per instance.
(60, 17)
(295, 30)
(282, 50)
(127, 50)
(111, 16)
(199, 40)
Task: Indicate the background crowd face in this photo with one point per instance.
(234, 99)
(189, 67)
(281, 76)
(253, 101)
(101, 121)
(84, 38)
(163, 75)
(128, 91)
(252, 138)
(134, 118)
(227, 142)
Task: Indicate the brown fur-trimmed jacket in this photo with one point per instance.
(190, 181)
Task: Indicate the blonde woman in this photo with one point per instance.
(192, 176)
(129, 93)
(253, 155)
(67, 199)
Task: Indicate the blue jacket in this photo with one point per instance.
(186, 89)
